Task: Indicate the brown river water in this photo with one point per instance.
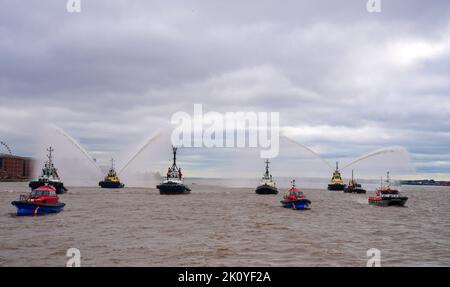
(219, 226)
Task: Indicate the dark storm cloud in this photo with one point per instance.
(121, 68)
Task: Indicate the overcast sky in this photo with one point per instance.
(345, 81)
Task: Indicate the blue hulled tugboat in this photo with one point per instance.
(41, 200)
(111, 179)
(387, 196)
(336, 181)
(49, 176)
(354, 187)
(267, 184)
(173, 183)
(295, 199)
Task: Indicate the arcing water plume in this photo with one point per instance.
(308, 149)
(376, 163)
(142, 163)
(244, 166)
(152, 138)
(393, 149)
(75, 166)
(77, 145)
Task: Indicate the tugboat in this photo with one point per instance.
(336, 181)
(267, 185)
(111, 179)
(49, 176)
(354, 187)
(295, 199)
(41, 200)
(387, 196)
(173, 182)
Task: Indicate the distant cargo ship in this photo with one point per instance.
(429, 182)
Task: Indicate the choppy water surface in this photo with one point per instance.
(218, 226)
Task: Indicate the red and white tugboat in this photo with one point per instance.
(41, 200)
(387, 196)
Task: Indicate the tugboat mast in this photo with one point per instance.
(388, 180)
(49, 156)
(174, 165)
(112, 163)
(267, 169)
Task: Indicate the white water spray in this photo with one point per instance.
(393, 149)
(147, 143)
(308, 149)
(77, 145)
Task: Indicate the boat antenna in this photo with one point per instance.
(352, 175)
(112, 163)
(388, 181)
(293, 182)
(337, 166)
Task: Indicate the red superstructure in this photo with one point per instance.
(43, 194)
(41, 200)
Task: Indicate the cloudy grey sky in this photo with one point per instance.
(345, 81)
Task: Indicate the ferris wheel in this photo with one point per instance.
(6, 147)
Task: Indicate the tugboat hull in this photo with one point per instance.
(31, 208)
(354, 190)
(59, 186)
(300, 204)
(109, 184)
(173, 188)
(401, 201)
(266, 189)
(336, 187)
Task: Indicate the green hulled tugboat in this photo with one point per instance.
(354, 187)
(111, 179)
(336, 181)
(267, 184)
(173, 183)
(49, 176)
(387, 196)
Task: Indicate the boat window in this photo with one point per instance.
(36, 193)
